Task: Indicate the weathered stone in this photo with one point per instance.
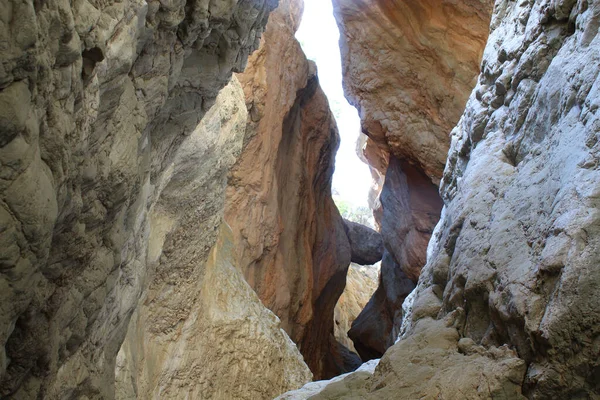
(315, 388)
(366, 244)
(408, 68)
(290, 239)
(377, 326)
(432, 363)
(198, 319)
(519, 241)
(229, 347)
(410, 208)
(506, 305)
(96, 98)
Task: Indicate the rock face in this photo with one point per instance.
(518, 246)
(509, 288)
(315, 388)
(410, 208)
(290, 239)
(229, 347)
(96, 99)
(377, 326)
(361, 283)
(432, 363)
(366, 244)
(197, 320)
(408, 68)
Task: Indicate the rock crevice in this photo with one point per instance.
(506, 305)
(408, 68)
(291, 244)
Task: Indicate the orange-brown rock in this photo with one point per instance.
(409, 68)
(410, 209)
(290, 238)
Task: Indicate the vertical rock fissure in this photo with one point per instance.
(410, 209)
(351, 183)
(506, 305)
(290, 240)
(410, 83)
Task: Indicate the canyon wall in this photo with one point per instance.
(410, 208)
(290, 240)
(97, 98)
(408, 67)
(517, 248)
(200, 330)
(507, 305)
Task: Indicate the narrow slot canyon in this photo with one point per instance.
(299, 199)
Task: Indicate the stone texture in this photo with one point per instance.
(314, 388)
(519, 242)
(229, 347)
(200, 331)
(361, 282)
(290, 239)
(410, 208)
(366, 244)
(96, 98)
(509, 291)
(408, 68)
(433, 363)
(377, 326)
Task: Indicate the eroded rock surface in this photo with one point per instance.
(432, 363)
(96, 98)
(200, 331)
(410, 209)
(291, 243)
(366, 243)
(377, 326)
(511, 278)
(315, 388)
(518, 244)
(408, 67)
(229, 346)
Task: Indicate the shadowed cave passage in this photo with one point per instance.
(410, 209)
(405, 202)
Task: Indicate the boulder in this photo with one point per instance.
(366, 244)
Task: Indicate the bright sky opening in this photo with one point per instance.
(319, 36)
